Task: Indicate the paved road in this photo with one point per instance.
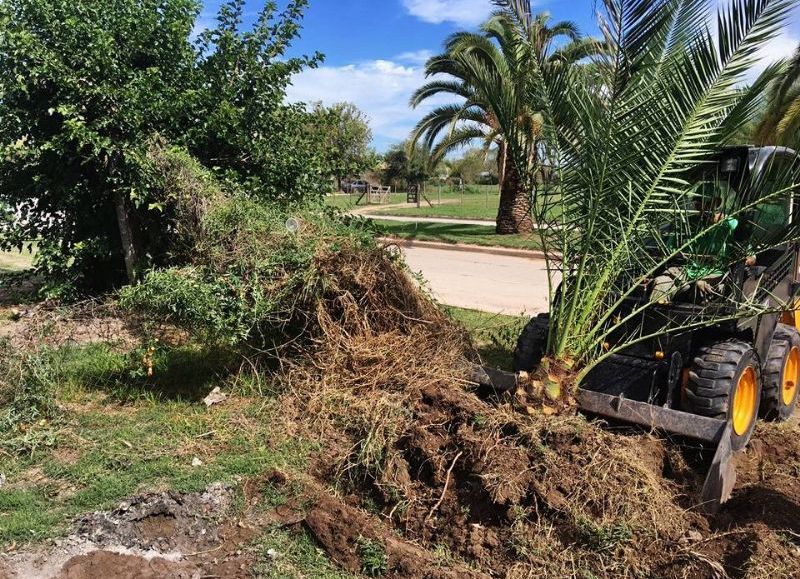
(492, 283)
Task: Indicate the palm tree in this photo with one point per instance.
(663, 98)
(482, 70)
(780, 123)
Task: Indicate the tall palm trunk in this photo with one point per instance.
(514, 215)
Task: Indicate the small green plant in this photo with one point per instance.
(373, 557)
(479, 421)
(27, 384)
(603, 538)
(444, 555)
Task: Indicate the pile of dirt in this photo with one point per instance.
(413, 451)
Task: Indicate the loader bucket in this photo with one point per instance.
(721, 477)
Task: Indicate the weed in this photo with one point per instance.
(370, 505)
(27, 383)
(479, 421)
(444, 555)
(373, 557)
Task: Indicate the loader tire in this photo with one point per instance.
(531, 344)
(781, 375)
(724, 382)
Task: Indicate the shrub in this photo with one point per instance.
(250, 279)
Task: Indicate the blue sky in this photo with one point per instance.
(375, 50)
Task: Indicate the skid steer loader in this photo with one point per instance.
(711, 384)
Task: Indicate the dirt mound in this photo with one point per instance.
(412, 449)
(343, 530)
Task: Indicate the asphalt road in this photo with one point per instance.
(499, 284)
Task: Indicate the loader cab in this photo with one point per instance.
(771, 171)
(728, 187)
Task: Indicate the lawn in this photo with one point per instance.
(15, 261)
(494, 335)
(479, 202)
(455, 233)
(475, 202)
(113, 435)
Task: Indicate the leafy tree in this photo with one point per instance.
(404, 167)
(346, 136)
(625, 160)
(86, 87)
(242, 127)
(485, 71)
(472, 164)
(83, 84)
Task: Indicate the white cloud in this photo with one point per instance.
(461, 12)
(380, 88)
(418, 57)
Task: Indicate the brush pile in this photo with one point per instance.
(416, 465)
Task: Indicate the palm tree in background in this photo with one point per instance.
(485, 70)
(780, 123)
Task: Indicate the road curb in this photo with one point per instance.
(463, 247)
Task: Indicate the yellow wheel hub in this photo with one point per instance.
(745, 402)
(791, 376)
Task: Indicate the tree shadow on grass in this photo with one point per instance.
(186, 373)
(18, 288)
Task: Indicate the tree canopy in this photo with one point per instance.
(86, 89)
(346, 137)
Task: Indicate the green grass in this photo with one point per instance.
(455, 233)
(347, 202)
(115, 437)
(494, 335)
(16, 261)
(478, 202)
(297, 557)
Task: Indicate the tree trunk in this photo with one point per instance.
(514, 215)
(126, 235)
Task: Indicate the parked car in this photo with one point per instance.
(355, 186)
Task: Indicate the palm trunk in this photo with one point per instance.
(514, 214)
(126, 236)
